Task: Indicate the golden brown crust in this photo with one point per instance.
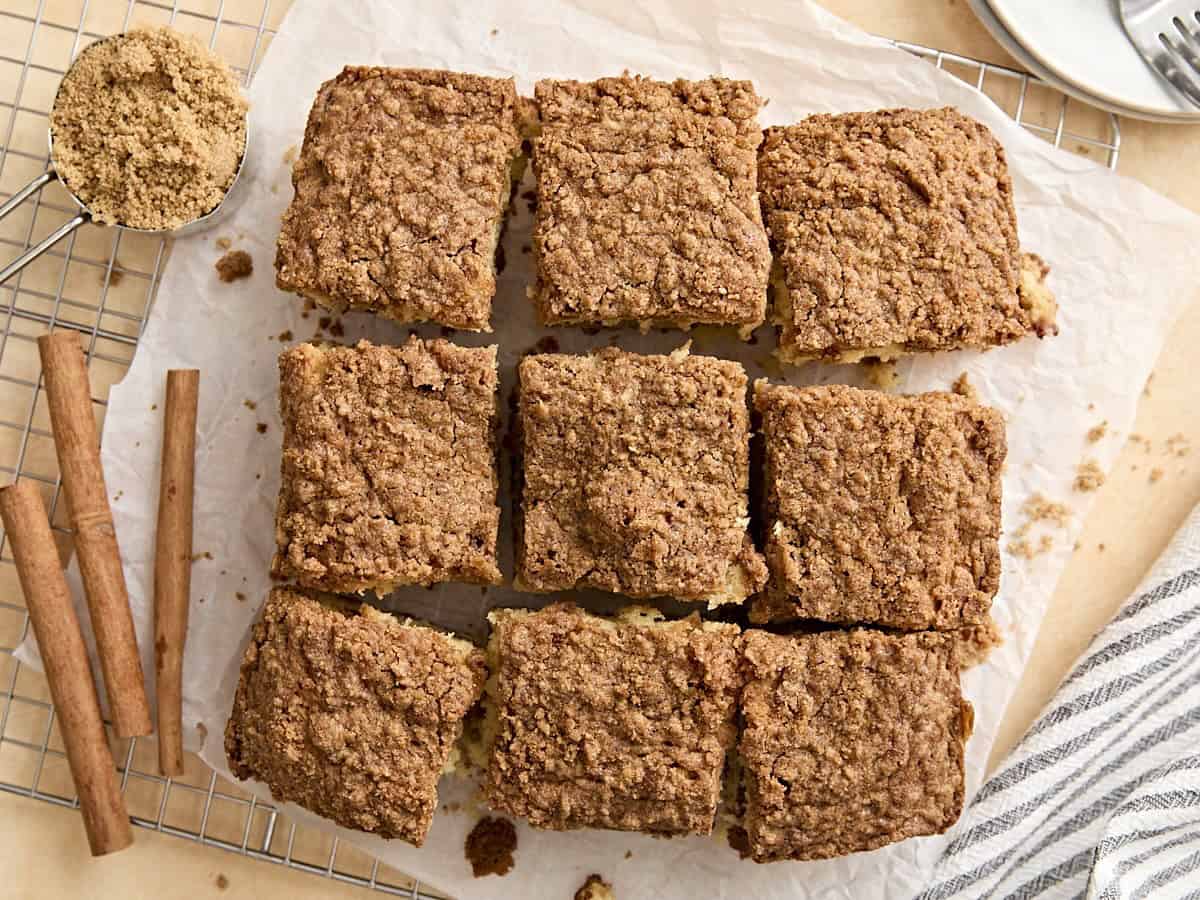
(880, 508)
(351, 716)
(636, 473)
(401, 187)
(893, 229)
(851, 740)
(606, 724)
(647, 206)
(389, 469)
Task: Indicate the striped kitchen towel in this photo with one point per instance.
(1101, 799)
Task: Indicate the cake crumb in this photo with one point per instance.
(234, 265)
(1096, 432)
(196, 557)
(1140, 440)
(629, 854)
(1178, 445)
(1038, 510)
(153, 407)
(1089, 476)
(490, 846)
(290, 155)
(881, 374)
(1025, 548)
(1101, 547)
(222, 882)
(223, 243)
(595, 888)
(284, 336)
(241, 598)
(250, 404)
(964, 388)
(1156, 475)
(975, 643)
(261, 427)
(739, 840)
(115, 275)
(130, 103)
(494, 32)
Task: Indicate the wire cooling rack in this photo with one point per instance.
(102, 283)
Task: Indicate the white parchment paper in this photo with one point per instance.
(1124, 261)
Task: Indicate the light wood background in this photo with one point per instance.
(42, 848)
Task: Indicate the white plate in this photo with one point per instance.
(1083, 44)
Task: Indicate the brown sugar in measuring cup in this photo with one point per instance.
(148, 133)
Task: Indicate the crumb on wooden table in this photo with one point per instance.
(1096, 432)
(1089, 476)
(964, 388)
(490, 846)
(595, 888)
(234, 265)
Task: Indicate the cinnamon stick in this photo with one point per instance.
(173, 561)
(78, 446)
(67, 670)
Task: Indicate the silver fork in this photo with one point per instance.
(1167, 35)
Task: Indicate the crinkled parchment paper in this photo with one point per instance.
(1124, 261)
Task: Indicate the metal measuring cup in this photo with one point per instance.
(84, 215)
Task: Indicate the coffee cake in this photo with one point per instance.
(635, 476)
(609, 723)
(389, 467)
(879, 508)
(400, 193)
(895, 232)
(351, 715)
(851, 740)
(647, 204)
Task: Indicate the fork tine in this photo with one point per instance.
(1173, 63)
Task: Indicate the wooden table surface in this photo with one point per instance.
(44, 853)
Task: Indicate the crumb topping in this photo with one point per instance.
(604, 724)
(351, 716)
(636, 476)
(647, 207)
(880, 508)
(852, 740)
(894, 227)
(490, 847)
(400, 190)
(389, 470)
(234, 265)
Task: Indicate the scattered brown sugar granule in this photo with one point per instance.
(261, 427)
(1089, 476)
(1025, 548)
(1140, 440)
(234, 265)
(149, 129)
(250, 405)
(964, 388)
(1178, 445)
(284, 336)
(222, 882)
(490, 846)
(196, 557)
(1096, 432)
(595, 888)
(1038, 510)
(1156, 475)
(223, 243)
(241, 598)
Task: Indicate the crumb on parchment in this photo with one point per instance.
(1038, 510)
(1096, 432)
(1156, 475)
(223, 243)
(1089, 476)
(234, 265)
(882, 374)
(595, 888)
(490, 846)
(964, 388)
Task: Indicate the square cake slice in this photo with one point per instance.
(400, 193)
(635, 477)
(352, 715)
(880, 508)
(851, 740)
(647, 204)
(609, 723)
(389, 466)
(895, 232)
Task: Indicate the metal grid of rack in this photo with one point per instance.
(102, 284)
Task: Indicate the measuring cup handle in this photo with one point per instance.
(42, 246)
